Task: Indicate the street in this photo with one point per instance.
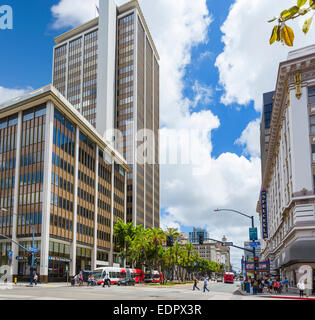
(218, 291)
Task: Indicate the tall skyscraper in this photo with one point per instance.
(108, 68)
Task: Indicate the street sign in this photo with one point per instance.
(253, 234)
(33, 249)
(254, 244)
(10, 254)
(227, 244)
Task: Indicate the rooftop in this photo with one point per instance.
(50, 93)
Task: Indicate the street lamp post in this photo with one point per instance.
(253, 226)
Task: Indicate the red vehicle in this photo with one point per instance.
(137, 275)
(153, 277)
(229, 277)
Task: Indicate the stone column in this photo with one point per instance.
(46, 192)
(94, 251)
(73, 248)
(15, 248)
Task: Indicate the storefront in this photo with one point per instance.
(58, 262)
(83, 259)
(296, 262)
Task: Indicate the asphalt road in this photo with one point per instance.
(218, 291)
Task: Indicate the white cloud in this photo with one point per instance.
(250, 139)
(69, 13)
(189, 194)
(248, 65)
(10, 93)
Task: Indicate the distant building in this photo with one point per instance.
(287, 199)
(265, 126)
(194, 235)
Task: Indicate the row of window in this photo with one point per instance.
(8, 122)
(8, 142)
(60, 202)
(60, 222)
(86, 196)
(35, 112)
(62, 164)
(32, 177)
(103, 235)
(103, 190)
(32, 158)
(63, 141)
(103, 220)
(7, 164)
(103, 205)
(29, 218)
(85, 213)
(86, 159)
(7, 183)
(58, 181)
(85, 230)
(86, 179)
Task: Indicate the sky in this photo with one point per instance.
(215, 61)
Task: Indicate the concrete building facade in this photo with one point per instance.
(108, 68)
(287, 201)
(62, 180)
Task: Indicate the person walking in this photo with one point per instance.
(301, 287)
(195, 284)
(35, 278)
(255, 287)
(81, 279)
(205, 283)
(106, 281)
(286, 284)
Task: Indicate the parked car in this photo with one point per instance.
(126, 282)
(219, 279)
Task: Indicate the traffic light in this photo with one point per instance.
(169, 241)
(201, 239)
(29, 259)
(256, 262)
(35, 261)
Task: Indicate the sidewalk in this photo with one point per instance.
(290, 296)
(45, 285)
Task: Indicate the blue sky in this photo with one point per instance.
(26, 61)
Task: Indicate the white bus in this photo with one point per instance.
(115, 274)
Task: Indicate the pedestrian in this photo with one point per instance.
(301, 287)
(270, 285)
(255, 286)
(81, 279)
(89, 281)
(106, 280)
(195, 284)
(205, 283)
(277, 286)
(286, 284)
(35, 278)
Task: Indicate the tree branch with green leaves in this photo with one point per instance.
(283, 33)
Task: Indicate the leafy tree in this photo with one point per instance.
(283, 33)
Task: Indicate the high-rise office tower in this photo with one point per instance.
(108, 68)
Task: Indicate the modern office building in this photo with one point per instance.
(108, 68)
(287, 199)
(265, 126)
(61, 180)
(194, 235)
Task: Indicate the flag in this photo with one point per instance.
(98, 11)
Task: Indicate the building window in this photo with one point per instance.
(313, 125)
(311, 95)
